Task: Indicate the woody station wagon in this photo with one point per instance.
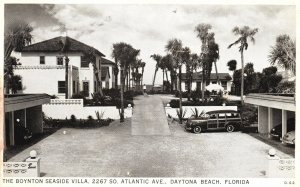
(220, 119)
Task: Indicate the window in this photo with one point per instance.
(84, 62)
(221, 116)
(59, 60)
(213, 116)
(61, 87)
(42, 59)
(186, 85)
(224, 84)
(214, 82)
(74, 86)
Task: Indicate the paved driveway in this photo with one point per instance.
(114, 152)
(149, 117)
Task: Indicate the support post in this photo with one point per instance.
(12, 129)
(270, 121)
(284, 123)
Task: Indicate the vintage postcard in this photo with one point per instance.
(149, 93)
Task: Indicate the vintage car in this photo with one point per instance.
(276, 132)
(229, 120)
(289, 138)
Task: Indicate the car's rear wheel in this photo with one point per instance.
(230, 128)
(197, 129)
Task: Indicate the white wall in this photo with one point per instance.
(112, 77)
(189, 110)
(62, 109)
(33, 59)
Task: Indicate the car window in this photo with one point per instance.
(229, 115)
(221, 116)
(213, 116)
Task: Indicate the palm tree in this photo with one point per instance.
(231, 65)
(168, 62)
(202, 33)
(16, 37)
(124, 54)
(213, 54)
(91, 57)
(157, 58)
(195, 64)
(174, 46)
(143, 64)
(284, 53)
(116, 72)
(244, 34)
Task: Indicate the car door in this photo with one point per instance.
(221, 120)
(212, 122)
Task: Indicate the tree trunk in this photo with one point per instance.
(66, 78)
(188, 82)
(203, 85)
(216, 68)
(172, 81)
(163, 79)
(141, 83)
(116, 81)
(122, 94)
(156, 69)
(242, 82)
(180, 95)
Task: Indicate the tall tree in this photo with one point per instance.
(213, 55)
(124, 54)
(174, 47)
(231, 65)
(143, 64)
(203, 34)
(91, 57)
(157, 58)
(243, 33)
(17, 35)
(168, 61)
(283, 53)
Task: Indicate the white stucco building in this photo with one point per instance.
(224, 78)
(108, 73)
(43, 68)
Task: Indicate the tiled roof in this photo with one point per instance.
(104, 72)
(213, 76)
(56, 45)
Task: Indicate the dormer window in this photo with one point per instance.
(59, 60)
(42, 59)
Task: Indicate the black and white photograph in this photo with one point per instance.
(163, 93)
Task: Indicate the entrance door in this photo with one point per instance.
(86, 88)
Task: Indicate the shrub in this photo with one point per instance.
(73, 118)
(180, 114)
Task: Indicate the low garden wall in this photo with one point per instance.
(64, 108)
(189, 110)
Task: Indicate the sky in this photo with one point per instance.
(149, 27)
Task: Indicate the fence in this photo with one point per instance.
(64, 108)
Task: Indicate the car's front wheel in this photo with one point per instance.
(197, 129)
(230, 128)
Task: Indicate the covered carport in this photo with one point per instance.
(273, 109)
(27, 109)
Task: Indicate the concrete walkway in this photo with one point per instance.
(149, 116)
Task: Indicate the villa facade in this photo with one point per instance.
(225, 79)
(43, 68)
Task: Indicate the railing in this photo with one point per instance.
(46, 67)
(66, 102)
